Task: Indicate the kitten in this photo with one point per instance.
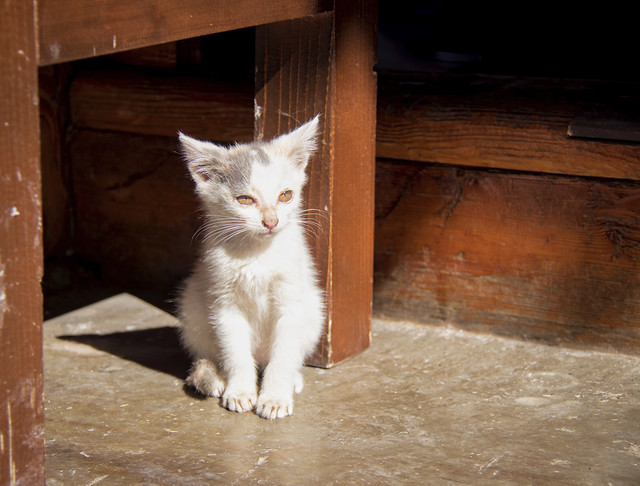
(252, 302)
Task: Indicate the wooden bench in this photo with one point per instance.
(312, 57)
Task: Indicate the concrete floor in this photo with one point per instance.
(424, 405)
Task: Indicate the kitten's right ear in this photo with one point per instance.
(299, 144)
(202, 157)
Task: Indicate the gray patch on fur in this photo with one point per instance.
(236, 171)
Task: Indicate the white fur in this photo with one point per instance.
(252, 301)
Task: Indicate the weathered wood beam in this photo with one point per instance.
(77, 29)
(21, 385)
(503, 122)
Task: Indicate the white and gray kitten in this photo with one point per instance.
(252, 303)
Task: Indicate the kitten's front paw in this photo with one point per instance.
(274, 407)
(239, 401)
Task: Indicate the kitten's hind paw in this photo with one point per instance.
(204, 378)
(274, 408)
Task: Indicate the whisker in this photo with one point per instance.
(311, 221)
(316, 212)
(220, 229)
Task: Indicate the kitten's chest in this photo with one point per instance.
(256, 276)
(253, 286)
(253, 276)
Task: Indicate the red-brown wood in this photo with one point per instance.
(543, 257)
(354, 132)
(324, 65)
(76, 29)
(504, 122)
(136, 101)
(21, 402)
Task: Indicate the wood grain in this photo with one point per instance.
(21, 385)
(503, 122)
(541, 257)
(353, 196)
(76, 29)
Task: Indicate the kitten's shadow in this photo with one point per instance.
(158, 349)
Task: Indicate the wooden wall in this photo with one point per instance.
(134, 208)
(534, 256)
(491, 214)
(504, 220)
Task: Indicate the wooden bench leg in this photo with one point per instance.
(21, 401)
(324, 64)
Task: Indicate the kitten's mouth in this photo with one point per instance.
(270, 228)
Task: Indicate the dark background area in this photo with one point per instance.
(567, 39)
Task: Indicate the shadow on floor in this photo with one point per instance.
(158, 348)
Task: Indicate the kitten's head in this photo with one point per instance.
(251, 190)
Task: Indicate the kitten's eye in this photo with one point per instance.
(285, 196)
(246, 200)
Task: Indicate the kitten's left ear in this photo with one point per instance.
(203, 158)
(300, 144)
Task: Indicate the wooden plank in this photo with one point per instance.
(135, 208)
(541, 257)
(503, 122)
(76, 29)
(162, 104)
(21, 402)
(353, 191)
(324, 65)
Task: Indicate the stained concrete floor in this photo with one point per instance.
(424, 405)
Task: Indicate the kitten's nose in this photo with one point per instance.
(270, 223)
(270, 219)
